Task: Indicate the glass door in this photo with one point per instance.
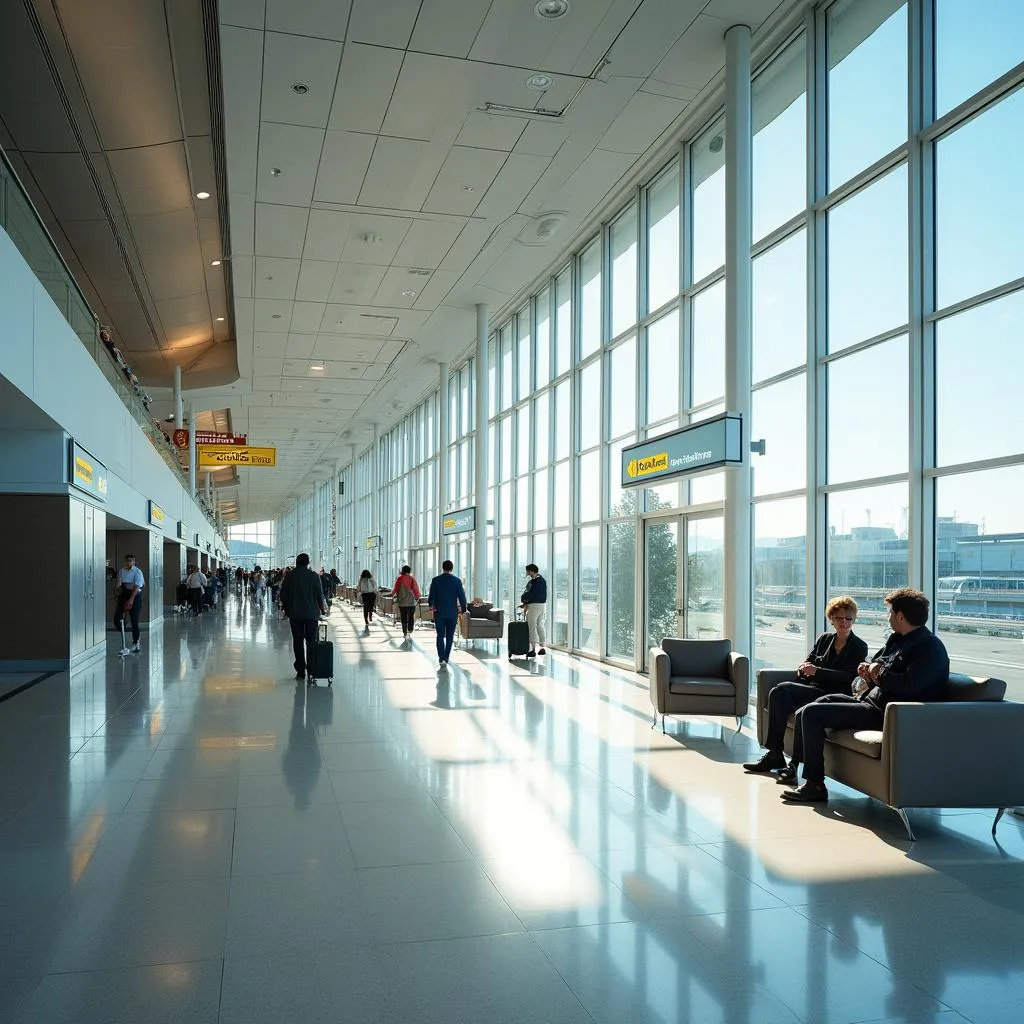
(683, 578)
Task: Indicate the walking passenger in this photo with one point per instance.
(302, 597)
(447, 599)
(534, 603)
(129, 598)
(196, 583)
(407, 593)
(367, 588)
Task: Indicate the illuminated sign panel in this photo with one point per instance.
(462, 521)
(86, 473)
(214, 456)
(157, 516)
(712, 444)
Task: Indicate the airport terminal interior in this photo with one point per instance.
(711, 310)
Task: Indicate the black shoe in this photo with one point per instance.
(808, 793)
(787, 776)
(531, 654)
(300, 676)
(771, 760)
(540, 650)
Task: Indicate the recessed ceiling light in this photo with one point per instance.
(316, 366)
(275, 172)
(408, 293)
(539, 83)
(300, 88)
(220, 319)
(467, 188)
(214, 263)
(275, 316)
(202, 195)
(551, 8)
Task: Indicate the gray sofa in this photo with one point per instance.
(482, 622)
(964, 751)
(698, 677)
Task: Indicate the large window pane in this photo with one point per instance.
(780, 417)
(780, 583)
(560, 587)
(590, 300)
(979, 366)
(975, 43)
(542, 430)
(708, 364)
(979, 205)
(780, 307)
(506, 372)
(867, 262)
(542, 346)
(780, 140)
(867, 439)
(563, 322)
(663, 368)
(540, 500)
(622, 414)
(523, 440)
(622, 239)
(707, 163)
(590, 486)
(589, 575)
(563, 420)
(663, 238)
(621, 628)
(563, 499)
(979, 598)
(524, 353)
(590, 405)
(505, 461)
(866, 552)
(620, 502)
(867, 84)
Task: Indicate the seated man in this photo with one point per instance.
(913, 665)
(830, 668)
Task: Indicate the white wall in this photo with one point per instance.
(42, 356)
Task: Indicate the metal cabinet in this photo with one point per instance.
(87, 531)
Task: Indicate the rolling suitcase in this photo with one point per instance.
(321, 662)
(518, 638)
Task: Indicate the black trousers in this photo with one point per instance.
(833, 711)
(195, 599)
(369, 600)
(303, 638)
(408, 616)
(134, 612)
(783, 700)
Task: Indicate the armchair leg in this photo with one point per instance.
(663, 724)
(905, 818)
(655, 722)
(999, 814)
(739, 722)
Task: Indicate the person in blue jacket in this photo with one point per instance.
(447, 598)
(534, 603)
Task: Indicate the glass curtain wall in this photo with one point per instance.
(888, 289)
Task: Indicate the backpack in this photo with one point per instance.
(405, 596)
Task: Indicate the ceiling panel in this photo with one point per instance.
(463, 180)
(61, 178)
(400, 287)
(375, 239)
(337, 347)
(449, 26)
(298, 59)
(153, 179)
(307, 317)
(433, 294)
(512, 185)
(427, 242)
(321, 18)
(365, 84)
(293, 150)
(280, 230)
(251, 13)
(401, 173)
(268, 366)
(356, 283)
(743, 12)
(299, 346)
(273, 315)
(315, 280)
(241, 52)
(327, 234)
(242, 269)
(651, 34)
(276, 278)
(383, 24)
(242, 210)
(640, 123)
(491, 131)
(697, 57)
(343, 166)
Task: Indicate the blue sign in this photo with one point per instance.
(712, 444)
(462, 521)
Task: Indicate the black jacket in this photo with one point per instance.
(836, 671)
(302, 595)
(916, 667)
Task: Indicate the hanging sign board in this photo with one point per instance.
(217, 455)
(712, 444)
(85, 472)
(199, 542)
(157, 516)
(182, 530)
(372, 542)
(462, 521)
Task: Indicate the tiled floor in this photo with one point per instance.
(189, 836)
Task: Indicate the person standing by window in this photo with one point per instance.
(534, 603)
(131, 583)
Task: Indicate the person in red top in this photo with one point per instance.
(407, 594)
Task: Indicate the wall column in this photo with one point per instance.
(480, 453)
(443, 441)
(738, 315)
(179, 411)
(191, 450)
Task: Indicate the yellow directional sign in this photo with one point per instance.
(215, 456)
(649, 464)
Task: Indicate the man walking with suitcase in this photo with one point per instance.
(447, 598)
(302, 597)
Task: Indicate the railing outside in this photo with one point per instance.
(19, 218)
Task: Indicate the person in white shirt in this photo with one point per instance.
(259, 586)
(196, 583)
(131, 583)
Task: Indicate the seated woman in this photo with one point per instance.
(831, 667)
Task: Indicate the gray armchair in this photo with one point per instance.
(482, 622)
(698, 677)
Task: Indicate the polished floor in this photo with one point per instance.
(189, 836)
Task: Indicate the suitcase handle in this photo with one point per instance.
(321, 632)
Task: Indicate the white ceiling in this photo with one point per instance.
(400, 202)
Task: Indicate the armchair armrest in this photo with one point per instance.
(660, 670)
(498, 615)
(954, 753)
(739, 674)
(766, 679)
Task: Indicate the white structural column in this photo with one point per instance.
(375, 489)
(335, 516)
(738, 315)
(480, 452)
(443, 440)
(191, 450)
(179, 412)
